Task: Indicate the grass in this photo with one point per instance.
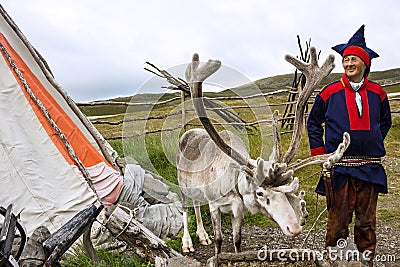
(156, 152)
(166, 168)
(76, 257)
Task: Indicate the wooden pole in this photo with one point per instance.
(183, 111)
(123, 226)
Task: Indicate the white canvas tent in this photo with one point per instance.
(42, 175)
(53, 162)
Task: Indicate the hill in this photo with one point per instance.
(282, 81)
(265, 85)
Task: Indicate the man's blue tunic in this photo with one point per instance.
(335, 106)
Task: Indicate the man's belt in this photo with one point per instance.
(355, 161)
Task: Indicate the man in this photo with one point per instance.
(360, 107)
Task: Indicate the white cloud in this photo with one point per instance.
(96, 48)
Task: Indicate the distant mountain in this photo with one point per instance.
(285, 80)
(385, 77)
(281, 81)
(265, 85)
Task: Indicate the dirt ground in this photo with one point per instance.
(255, 238)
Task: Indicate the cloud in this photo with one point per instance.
(96, 49)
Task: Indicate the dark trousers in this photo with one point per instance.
(361, 198)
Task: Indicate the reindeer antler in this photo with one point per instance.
(195, 77)
(277, 149)
(327, 160)
(314, 75)
(279, 173)
(196, 74)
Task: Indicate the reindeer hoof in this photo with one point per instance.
(187, 249)
(205, 242)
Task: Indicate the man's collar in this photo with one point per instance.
(356, 86)
(346, 83)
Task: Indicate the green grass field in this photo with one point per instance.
(156, 152)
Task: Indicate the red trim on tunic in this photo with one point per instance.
(318, 151)
(357, 122)
(377, 89)
(328, 91)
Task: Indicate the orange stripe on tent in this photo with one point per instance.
(86, 152)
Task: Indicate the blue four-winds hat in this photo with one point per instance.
(357, 46)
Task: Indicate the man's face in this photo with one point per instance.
(354, 68)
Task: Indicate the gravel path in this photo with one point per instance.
(255, 238)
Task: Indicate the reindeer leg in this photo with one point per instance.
(237, 219)
(201, 232)
(216, 221)
(187, 244)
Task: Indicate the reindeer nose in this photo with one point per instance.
(294, 231)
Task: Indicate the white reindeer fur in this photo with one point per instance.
(207, 175)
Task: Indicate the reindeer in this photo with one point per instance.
(216, 167)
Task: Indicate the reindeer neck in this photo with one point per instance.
(246, 188)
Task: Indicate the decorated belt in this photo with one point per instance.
(355, 161)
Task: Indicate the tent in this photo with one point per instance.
(53, 162)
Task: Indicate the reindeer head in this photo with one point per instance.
(273, 183)
(276, 198)
(283, 206)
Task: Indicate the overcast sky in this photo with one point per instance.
(96, 48)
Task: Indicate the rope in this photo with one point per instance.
(316, 208)
(45, 112)
(310, 176)
(131, 216)
(316, 220)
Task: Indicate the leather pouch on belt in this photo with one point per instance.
(326, 175)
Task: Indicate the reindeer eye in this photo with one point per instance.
(259, 194)
(267, 201)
